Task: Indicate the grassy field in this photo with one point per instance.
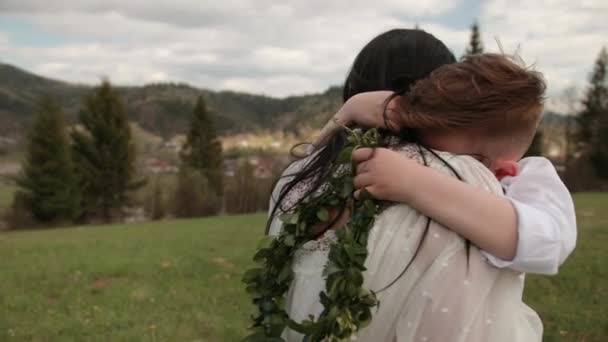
(180, 281)
(574, 304)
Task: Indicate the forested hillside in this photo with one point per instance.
(164, 108)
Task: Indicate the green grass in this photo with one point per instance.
(180, 281)
(574, 304)
(171, 281)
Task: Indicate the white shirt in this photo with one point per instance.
(546, 220)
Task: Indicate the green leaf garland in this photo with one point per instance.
(347, 305)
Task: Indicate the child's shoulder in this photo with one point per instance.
(534, 172)
(535, 163)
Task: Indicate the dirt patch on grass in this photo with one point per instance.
(100, 284)
(222, 262)
(222, 277)
(52, 299)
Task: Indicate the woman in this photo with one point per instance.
(449, 293)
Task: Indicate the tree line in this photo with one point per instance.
(87, 173)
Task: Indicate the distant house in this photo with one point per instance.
(230, 167)
(134, 214)
(175, 144)
(262, 167)
(157, 166)
(263, 170)
(9, 170)
(7, 141)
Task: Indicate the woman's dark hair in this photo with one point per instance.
(393, 61)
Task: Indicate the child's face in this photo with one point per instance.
(497, 155)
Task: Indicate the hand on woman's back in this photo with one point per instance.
(363, 110)
(384, 174)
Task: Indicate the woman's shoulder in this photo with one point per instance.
(464, 167)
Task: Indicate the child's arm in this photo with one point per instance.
(546, 218)
(489, 221)
(533, 230)
(538, 213)
(365, 110)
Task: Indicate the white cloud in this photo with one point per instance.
(3, 40)
(274, 85)
(196, 13)
(253, 46)
(274, 57)
(561, 37)
(280, 48)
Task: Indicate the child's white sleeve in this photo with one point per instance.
(546, 218)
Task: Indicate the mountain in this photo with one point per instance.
(164, 108)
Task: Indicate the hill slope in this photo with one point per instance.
(164, 108)
(180, 281)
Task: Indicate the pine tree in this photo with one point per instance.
(155, 203)
(593, 120)
(536, 147)
(202, 150)
(599, 157)
(475, 45)
(242, 191)
(570, 97)
(47, 188)
(104, 153)
(194, 196)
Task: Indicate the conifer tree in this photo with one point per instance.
(599, 156)
(104, 153)
(47, 184)
(536, 147)
(475, 45)
(570, 97)
(194, 196)
(155, 203)
(242, 192)
(593, 120)
(202, 150)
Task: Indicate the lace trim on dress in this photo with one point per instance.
(312, 256)
(323, 243)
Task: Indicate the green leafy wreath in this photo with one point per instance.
(347, 305)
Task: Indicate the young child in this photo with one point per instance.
(429, 287)
(531, 229)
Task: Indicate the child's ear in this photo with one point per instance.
(504, 168)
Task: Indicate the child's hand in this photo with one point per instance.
(384, 174)
(364, 110)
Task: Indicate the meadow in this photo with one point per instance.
(180, 281)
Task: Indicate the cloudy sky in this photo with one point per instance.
(277, 47)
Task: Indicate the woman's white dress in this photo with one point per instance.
(441, 297)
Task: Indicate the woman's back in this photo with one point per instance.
(444, 295)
